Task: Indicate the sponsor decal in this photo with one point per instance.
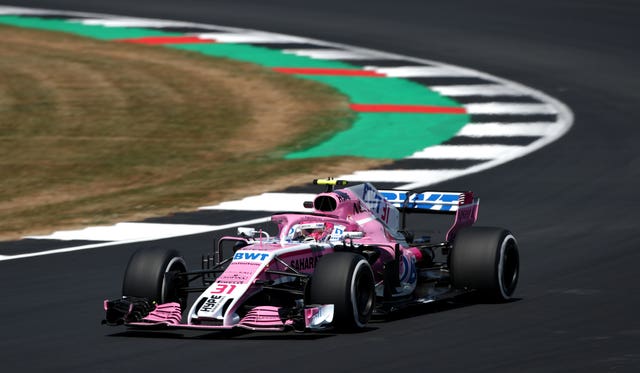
(210, 304)
(304, 264)
(441, 197)
(342, 196)
(337, 233)
(415, 200)
(378, 205)
(408, 270)
(357, 208)
(235, 277)
(247, 255)
(372, 198)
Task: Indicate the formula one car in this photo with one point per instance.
(348, 258)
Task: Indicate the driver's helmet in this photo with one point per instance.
(315, 231)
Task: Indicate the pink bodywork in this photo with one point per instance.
(358, 209)
(266, 318)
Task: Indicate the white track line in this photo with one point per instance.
(250, 37)
(421, 71)
(508, 130)
(128, 232)
(404, 176)
(497, 108)
(267, 202)
(475, 152)
(115, 243)
(10, 10)
(332, 54)
(130, 22)
(477, 90)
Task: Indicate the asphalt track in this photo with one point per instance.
(573, 205)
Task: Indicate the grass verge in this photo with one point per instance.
(95, 132)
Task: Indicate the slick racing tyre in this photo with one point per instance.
(345, 280)
(152, 273)
(485, 259)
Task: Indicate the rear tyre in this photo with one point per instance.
(152, 273)
(485, 259)
(345, 280)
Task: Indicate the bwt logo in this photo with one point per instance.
(240, 255)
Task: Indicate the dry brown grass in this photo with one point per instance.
(95, 132)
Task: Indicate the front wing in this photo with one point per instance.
(141, 313)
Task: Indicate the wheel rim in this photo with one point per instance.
(362, 294)
(509, 266)
(172, 283)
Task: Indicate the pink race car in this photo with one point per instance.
(348, 258)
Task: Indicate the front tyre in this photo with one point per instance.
(485, 259)
(154, 274)
(345, 280)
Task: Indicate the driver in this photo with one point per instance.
(315, 232)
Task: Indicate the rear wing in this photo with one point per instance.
(462, 204)
(428, 202)
(390, 207)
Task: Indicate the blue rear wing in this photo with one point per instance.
(443, 202)
(461, 204)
